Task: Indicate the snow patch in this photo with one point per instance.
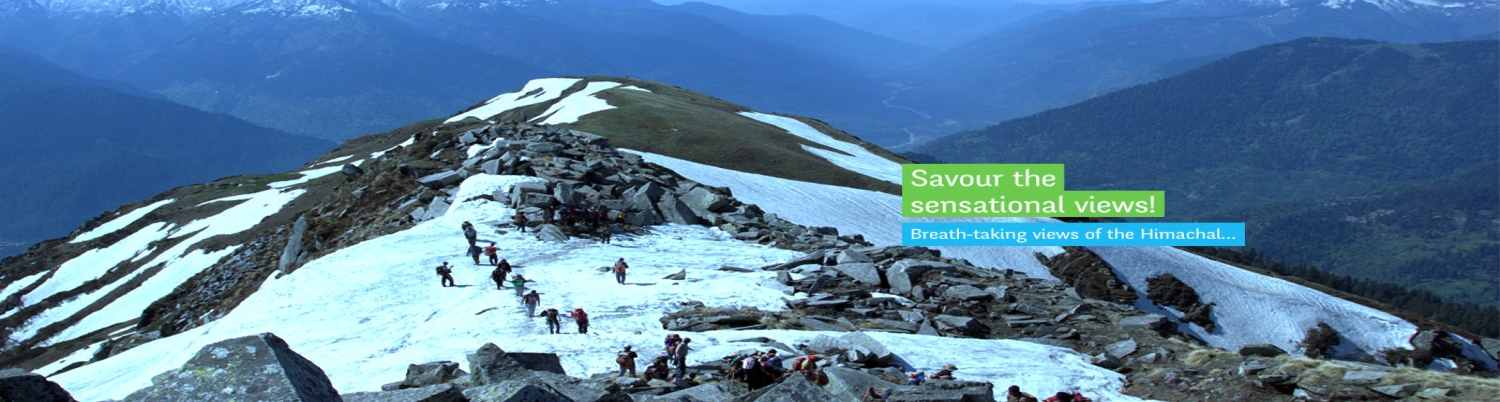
(119, 222)
(1251, 308)
(846, 155)
(409, 141)
(536, 91)
(334, 160)
(312, 174)
(576, 105)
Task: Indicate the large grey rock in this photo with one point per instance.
(863, 272)
(645, 194)
(491, 365)
(441, 179)
(1491, 346)
(252, 368)
(352, 171)
(515, 391)
(1261, 350)
(902, 274)
(490, 167)
(20, 385)
(961, 325)
(849, 385)
(851, 256)
(550, 232)
(794, 389)
(1120, 349)
(563, 193)
(431, 393)
(292, 254)
(967, 293)
(701, 393)
(674, 211)
(1143, 321)
(421, 375)
(947, 391)
(705, 202)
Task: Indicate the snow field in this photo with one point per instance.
(576, 105)
(363, 313)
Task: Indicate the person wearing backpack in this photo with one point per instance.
(498, 275)
(470, 234)
(626, 360)
(446, 274)
(474, 252)
(519, 220)
(492, 252)
(531, 300)
(582, 318)
(620, 267)
(554, 324)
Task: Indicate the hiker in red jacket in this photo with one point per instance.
(492, 252)
(620, 267)
(582, 319)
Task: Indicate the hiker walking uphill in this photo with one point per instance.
(519, 220)
(1014, 394)
(679, 357)
(554, 324)
(520, 283)
(626, 360)
(492, 252)
(582, 318)
(446, 273)
(620, 267)
(498, 275)
(531, 300)
(474, 252)
(471, 235)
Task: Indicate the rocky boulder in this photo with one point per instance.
(863, 272)
(20, 385)
(550, 232)
(252, 368)
(515, 391)
(904, 274)
(1087, 273)
(421, 375)
(794, 389)
(491, 365)
(431, 393)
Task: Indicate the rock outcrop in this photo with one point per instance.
(259, 368)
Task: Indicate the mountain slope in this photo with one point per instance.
(336, 256)
(312, 66)
(1280, 135)
(79, 146)
(1063, 58)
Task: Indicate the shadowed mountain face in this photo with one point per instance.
(78, 147)
(1344, 136)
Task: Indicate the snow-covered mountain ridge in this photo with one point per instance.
(350, 241)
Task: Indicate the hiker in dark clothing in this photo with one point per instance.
(447, 274)
(679, 357)
(498, 275)
(582, 319)
(474, 252)
(554, 324)
(547, 214)
(671, 343)
(504, 267)
(626, 360)
(1014, 394)
(471, 234)
(1068, 397)
(658, 369)
(531, 300)
(946, 373)
(620, 267)
(519, 220)
(771, 364)
(492, 252)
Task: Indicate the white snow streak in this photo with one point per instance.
(846, 155)
(119, 222)
(312, 174)
(576, 105)
(536, 91)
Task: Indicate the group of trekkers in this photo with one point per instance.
(670, 365)
(503, 274)
(595, 220)
(756, 370)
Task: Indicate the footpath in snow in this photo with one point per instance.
(365, 312)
